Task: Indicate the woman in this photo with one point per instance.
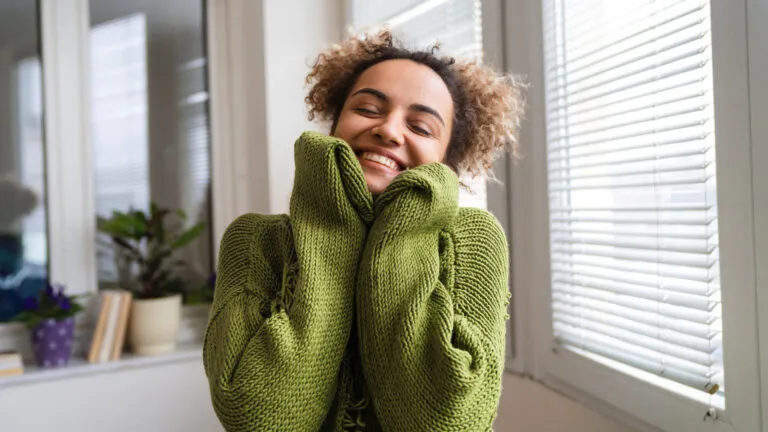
(377, 304)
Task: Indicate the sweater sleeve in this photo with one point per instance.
(284, 300)
(432, 293)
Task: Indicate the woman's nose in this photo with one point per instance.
(389, 131)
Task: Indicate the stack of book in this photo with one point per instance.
(11, 363)
(112, 324)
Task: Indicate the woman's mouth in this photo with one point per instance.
(376, 160)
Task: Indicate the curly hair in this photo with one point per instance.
(488, 106)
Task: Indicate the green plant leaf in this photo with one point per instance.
(182, 214)
(188, 235)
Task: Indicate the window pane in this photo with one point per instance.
(23, 231)
(149, 128)
(632, 188)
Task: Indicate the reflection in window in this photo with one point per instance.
(23, 230)
(150, 118)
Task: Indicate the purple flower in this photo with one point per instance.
(64, 303)
(30, 303)
(49, 291)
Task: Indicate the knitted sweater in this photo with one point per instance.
(359, 314)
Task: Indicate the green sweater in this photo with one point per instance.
(359, 314)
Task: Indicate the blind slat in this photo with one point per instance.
(701, 360)
(619, 111)
(591, 38)
(684, 19)
(694, 274)
(701, 331)
(697, 120)
(660, 155)
(654, 92)
(624, 344)
(637, 218)
(693, 45)
(648, 243)
(618, 151)
(702, 303)
(649, 280)
(672, 258)
(679, 312)
(620, 170)
(706, 345)
(558, 102)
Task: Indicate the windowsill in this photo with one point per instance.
(79, 367)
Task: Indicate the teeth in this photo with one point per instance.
(381, 159)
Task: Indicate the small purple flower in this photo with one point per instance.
(49, 291)
(64, 303)
(30, 303)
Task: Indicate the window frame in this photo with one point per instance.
(757, 37)
(628, 399)
(65, 41)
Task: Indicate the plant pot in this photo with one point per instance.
(52, 342)
(154, 325)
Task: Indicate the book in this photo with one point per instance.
(105, 350)
(11, 363)
(101, 324)
(122, 326)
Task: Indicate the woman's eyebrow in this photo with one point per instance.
(428, 110)
(416, 107)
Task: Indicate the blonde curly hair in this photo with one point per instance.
(488, 106)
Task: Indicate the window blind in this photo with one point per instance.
(632, 186)
(455, 24)
(119, 115)
(119, 125)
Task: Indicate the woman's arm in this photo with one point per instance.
(432, 293)
(283, 305)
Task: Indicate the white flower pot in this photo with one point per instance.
(154, 325)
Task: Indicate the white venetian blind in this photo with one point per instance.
(632, 188)
(455, 24)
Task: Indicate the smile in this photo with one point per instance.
(381, 160)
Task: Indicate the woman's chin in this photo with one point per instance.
(376, 184)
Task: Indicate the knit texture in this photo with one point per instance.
(351, 314)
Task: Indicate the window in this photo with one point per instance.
(23, 224)
(455, 24)
(632, 188)
(149, 114)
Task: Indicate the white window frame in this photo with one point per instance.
(644, 406)
(757, 35)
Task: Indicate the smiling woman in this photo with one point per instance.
(377, 303)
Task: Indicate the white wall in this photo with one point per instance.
(168, 398)
(527, 406)
(288, 56)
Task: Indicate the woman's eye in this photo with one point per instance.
(366, 111)
(420, 130)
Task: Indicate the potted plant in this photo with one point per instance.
(50, 316)
(145, 244)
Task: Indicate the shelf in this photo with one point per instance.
(80, 367)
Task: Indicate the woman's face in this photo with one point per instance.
(398, 115)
